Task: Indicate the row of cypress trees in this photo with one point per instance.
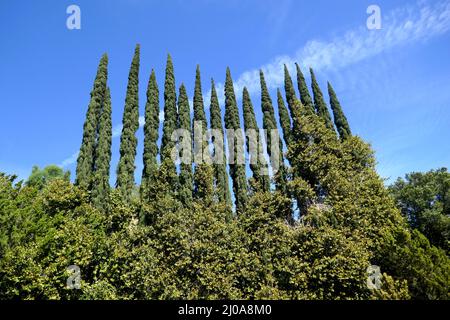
(200, 182)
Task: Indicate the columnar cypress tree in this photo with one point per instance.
(85, 161)
(170, 110)
(151, 135)
(101, 187)
(203, 176)
(305, 97)
(340, 120)
(285, 120)
(222, 188)
(237, 171)
(291, 97)
(184, 122)
(258, 165)
(281, 178)
(128, 142)
(269, 121)
(319, 102)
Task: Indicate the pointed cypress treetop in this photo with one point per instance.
(291, 97)
(184, 110)
(231, 110)
(203, 176)
(319, 102)
(130, 124)
(199, 111)
(254, 145)
(170, 110)
(269, 121)
(220, 170)
(214, 110)
(86, 156)
(151, 135)
(237, 171)
(305, 97)
(340, 120)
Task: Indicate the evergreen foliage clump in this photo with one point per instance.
(180, 240)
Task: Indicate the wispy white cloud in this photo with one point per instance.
(70, 160)
(407, 25)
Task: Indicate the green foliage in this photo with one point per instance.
(151, 135)
(163, 245)
(184, 122)
(269, 124)
(39, 178)
(86, 156)
(305, 97)
(237, 171)
(340, 120)
(170, 110)
(291, 97)
(424, 199)
(285, 120)
(260, 180)
(203, 175)
(221, 185)
(319, 102)
(101, 187)
(130, 124)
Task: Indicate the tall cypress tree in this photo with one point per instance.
(285, 120)
(151, 135)
(184, 122)
(222, 188)
(85, 161)
(203, 176)
(170, 110)
(305, 97)
(237, 171)
(340, 120)
(269, 121)
(291, 97)
(101, 187)
(258, 165)
(128, 141)
(319, 102)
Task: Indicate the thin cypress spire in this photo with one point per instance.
(130, 124)
(237, 170)
(258, 166)
(340, 120)
(86, 155)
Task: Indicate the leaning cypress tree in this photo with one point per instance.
(232, 122)
(340, 120)
(285, 120)
(319, 102)
(203, 176)
(101, 187)
(151, 135)
(85, 161)
(254, 146)
(184, 122)
(170, 111)
(128, 141)
(291, 97)
(222, 189)
(305, 97)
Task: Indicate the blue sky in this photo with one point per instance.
(393, 83)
